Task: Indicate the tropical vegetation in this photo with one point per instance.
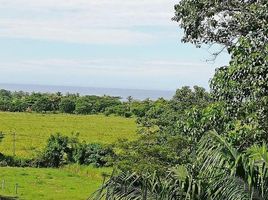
(199, 145)
(204, 145)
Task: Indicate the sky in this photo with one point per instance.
(99, 43)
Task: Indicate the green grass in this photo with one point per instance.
(32, 130)
(70, 183)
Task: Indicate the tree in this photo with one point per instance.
(139, 108)
(43, 104)
(229, 165)
(58, 150)
(18, 105)
(5, 94)
(92, 154)
(186, 98)
(221, 22)
(84, 106)
(218, 172)
(5, 105)
(67, 105)
(55, 100)
(241, 27)
(130, 99)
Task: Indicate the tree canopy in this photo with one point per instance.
(205, 145)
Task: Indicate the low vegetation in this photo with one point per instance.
(32, 130)
(68, 183)
(36, 145)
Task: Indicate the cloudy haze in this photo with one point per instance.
(99, 43)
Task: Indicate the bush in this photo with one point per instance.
(119, 110)
(14, 161)
(128, 114)
(62, 150)
(57, 151)
(94, 154)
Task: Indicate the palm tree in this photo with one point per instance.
(219, 172)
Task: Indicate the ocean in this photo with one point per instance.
(123, 93)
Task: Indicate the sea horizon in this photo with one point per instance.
(138, 94)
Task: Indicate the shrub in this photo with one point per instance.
(94, 154)
(57, 151)
(14, 161)
(62, 150)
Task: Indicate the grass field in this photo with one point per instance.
(32, 130)
(70, 183)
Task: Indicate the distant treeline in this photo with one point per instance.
(73, 104)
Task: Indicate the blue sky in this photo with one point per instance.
(99, 43)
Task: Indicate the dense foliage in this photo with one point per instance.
(46, 102)
(62, 150)
(205, 145)
(72, 104)
(218, 171)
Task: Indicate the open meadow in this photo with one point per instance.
(68, 183)
(32, 130)
(31, 133)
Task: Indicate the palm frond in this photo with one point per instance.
(219, 172)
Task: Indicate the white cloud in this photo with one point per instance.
(60, 32)
(84, 21)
